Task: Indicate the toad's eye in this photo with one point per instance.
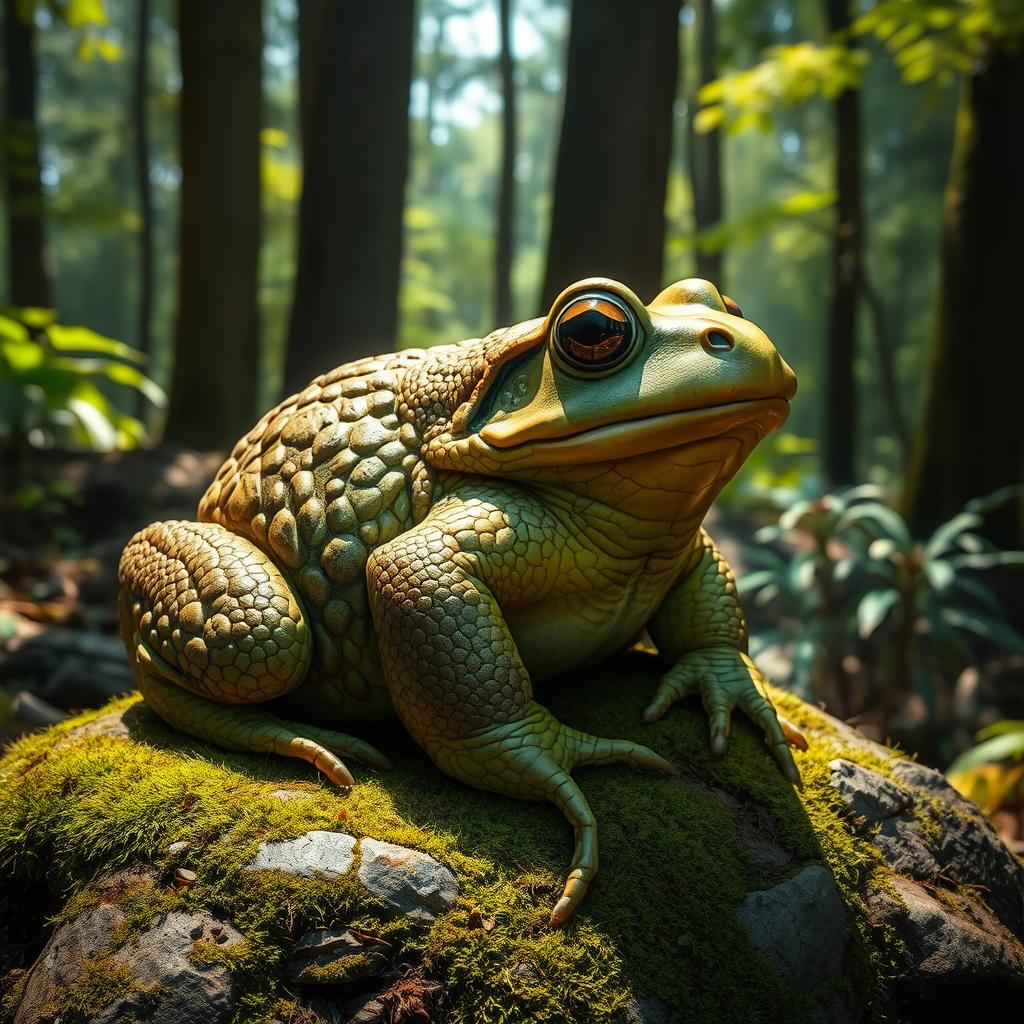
(594, 332)
(731, 307)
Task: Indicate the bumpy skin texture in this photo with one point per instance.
(432, 533)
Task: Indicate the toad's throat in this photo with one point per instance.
(649, 434)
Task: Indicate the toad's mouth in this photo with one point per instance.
(755, 417)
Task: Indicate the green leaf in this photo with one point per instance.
(997, 748)
(873, 512)
(940, 574)
(97, 426)
(81, 339)
(873, 608)
(976, 589)
(988, 560)
(944, 536)
(991, 629)
(1005, 725)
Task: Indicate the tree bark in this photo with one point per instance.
(216, 368)
(505, 246)
(706, 149)
(971, 442)
(839, 452)
(355, 71)
(28, 278)
(608, 214)
(139, 97)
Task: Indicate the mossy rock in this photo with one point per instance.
(723, 894)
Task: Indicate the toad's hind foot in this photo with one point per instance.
(531, 759)
(253, 729)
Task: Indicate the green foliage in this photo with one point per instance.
(62, 385)
(854, 572)
(785, 77)
(992, 772)
(937, 39)
(754, 223)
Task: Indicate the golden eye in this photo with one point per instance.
(731, 307)
(594, 332)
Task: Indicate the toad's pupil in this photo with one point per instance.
(593, 336)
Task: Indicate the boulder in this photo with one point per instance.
(96, 967)
(201, 884)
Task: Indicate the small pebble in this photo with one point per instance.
(184, 877)
(177, 847)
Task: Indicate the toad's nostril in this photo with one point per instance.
(715, 339)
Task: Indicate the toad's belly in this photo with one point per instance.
(552, 640)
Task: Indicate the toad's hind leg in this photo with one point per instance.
(458, 683)
(211, 628)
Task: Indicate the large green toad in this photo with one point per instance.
(432, 533)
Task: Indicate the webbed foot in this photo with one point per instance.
(531, 759)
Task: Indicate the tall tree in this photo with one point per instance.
(28, 279)
(839, 453)
(705, 148)
(216, 365)
(355, 67)
(140, 91)
(971, 442)
(608, 215)
(504, 249)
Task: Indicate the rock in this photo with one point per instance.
(333, 956)
(870, 796)
(288, 794)
(150, 976)
(711, 881)
(411, 882)
(951, 843)
(966, 846)
(800, 927)
(183, 876)
(647, 1011)
(956, 955)
(329, 853)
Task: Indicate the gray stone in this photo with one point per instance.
(409, 881)
(800, 927)
(336, 956)
(167, 987)
(903, 845)
(647, 1010)
(869, 795)
(329, 853)
(963, 849)
(956, 955)
(967, 848)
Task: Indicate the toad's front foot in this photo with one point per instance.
(531, 759)
(726, 678)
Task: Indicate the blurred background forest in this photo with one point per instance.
(205, 205)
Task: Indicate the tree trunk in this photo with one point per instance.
(216, 366)
(706, 148)
(27, 272)
(355, 71)
(505, 246)
(608, 215)
(839, 455)
(139, 97)
(971, 442)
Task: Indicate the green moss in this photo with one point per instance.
(99, 982)
(658, 921)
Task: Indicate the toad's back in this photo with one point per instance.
(317, 484)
